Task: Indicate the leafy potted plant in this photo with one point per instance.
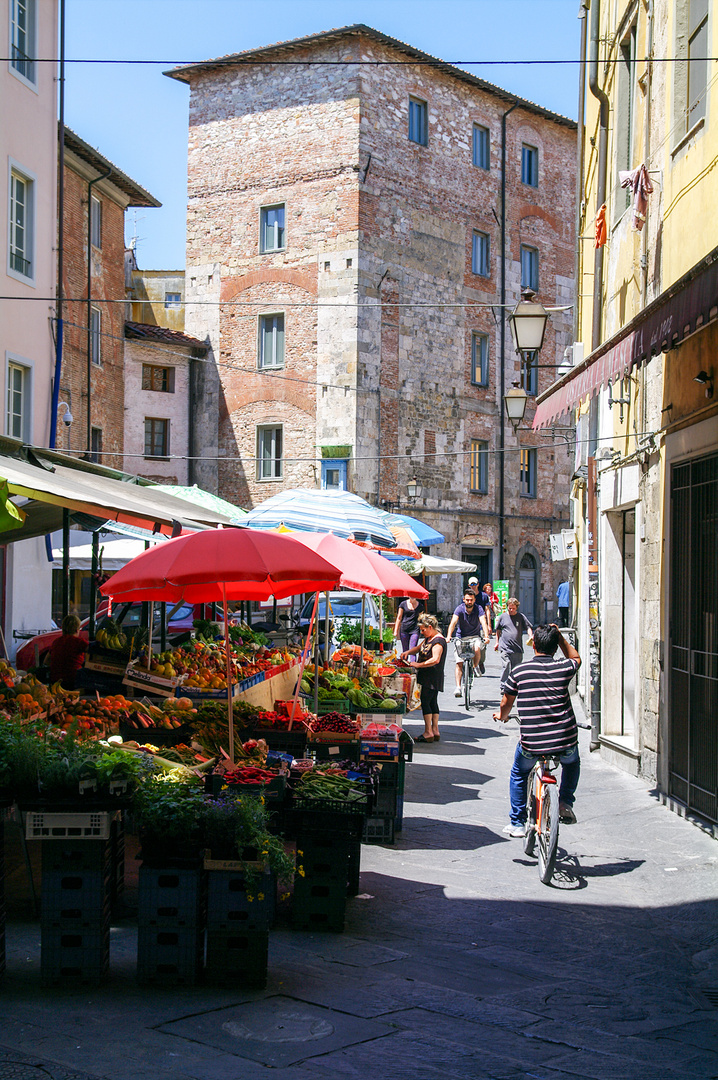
(168, 809)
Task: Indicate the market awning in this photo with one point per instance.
(686, 306)
(46, 480)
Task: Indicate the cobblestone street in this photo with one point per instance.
(456, 961)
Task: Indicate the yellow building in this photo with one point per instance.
(646, 478)
(156, 296)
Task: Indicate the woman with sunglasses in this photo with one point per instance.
(429, 665)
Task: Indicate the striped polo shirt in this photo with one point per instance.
(546, 718)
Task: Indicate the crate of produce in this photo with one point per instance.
(172, 896)
(233, 903)
(379, 829)
(319, 905)
(237, 957)
(292, 742)
(375, 710)
(322, 750)
(272, 790)
(81, 953)
(155, 736)
(170, 955)
(48, 825)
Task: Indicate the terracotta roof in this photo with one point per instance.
(136, 194)
(144, 332)
(185, 72)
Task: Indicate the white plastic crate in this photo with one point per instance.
(92, 825)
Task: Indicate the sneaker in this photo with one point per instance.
(482, 667)
(457, 692)
(514, 831)
(565, 814)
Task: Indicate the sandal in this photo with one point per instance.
(424, 738)
(437, 738)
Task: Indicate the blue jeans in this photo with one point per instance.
(518, 781)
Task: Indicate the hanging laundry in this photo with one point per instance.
(601, 235)
(640, 184)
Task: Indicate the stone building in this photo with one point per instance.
(347, 197)
(157, 296)
(97, 194)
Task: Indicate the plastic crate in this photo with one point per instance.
(117, 861)
(318, 905)
(169, 956)
(83, 897)
(354, 868)
(399, 818)
(171, 897)
(47, 825)
(323, 857)
(74, 953)
(237, 957)
(70, 856)
(379, 830)
(328, 751)
(233, 906)
(290, 742)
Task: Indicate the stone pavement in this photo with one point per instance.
(456, 963)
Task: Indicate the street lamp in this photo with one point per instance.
(515, 401)
(528, 323)
(413, 489)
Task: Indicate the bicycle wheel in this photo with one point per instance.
(548, 833)
(530, 835)
(468, 676)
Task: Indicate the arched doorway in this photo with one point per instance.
(527, 585)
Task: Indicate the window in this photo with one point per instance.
(21, 224)
(625, 119)
(17, 421)
(480, 359)
(96, 222)
(334, 473)
(158, 378)
(173, 301)
(481, 151)
(96, 445)
(22, 38)
(271, 341)
(529, 165)
(95, 335)
(479, 468)
(480, 254)
(418, 122)
(157, 437)
(529, 371)
(529, 268)
(272, 232)
(697, 61)
(527, 473)
(269, 453)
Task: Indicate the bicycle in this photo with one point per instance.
(543, 816)
(465, 649)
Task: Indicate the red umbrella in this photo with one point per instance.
(218, 564)
(222, 564)
(395, 581)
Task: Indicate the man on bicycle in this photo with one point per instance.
(546, 721)
(468, 624)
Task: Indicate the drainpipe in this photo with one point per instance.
(580, 149)
(191, 442)
(602, 99)
(502, 350)
(89, 306)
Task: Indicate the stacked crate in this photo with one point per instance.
(170, 924)
(239, 914)
(2, 897)
(75, 910)
(325, 862)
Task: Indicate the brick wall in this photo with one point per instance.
(107, 381)
(372, 217)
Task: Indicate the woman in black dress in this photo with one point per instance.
(431, 655)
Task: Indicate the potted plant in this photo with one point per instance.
(168, 810)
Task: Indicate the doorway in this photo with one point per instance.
(483, 558)
(527, 586)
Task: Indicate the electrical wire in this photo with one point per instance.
(239, 61)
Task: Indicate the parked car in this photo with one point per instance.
(36, 651)
(342, 606)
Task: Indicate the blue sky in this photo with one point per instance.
(137, 117)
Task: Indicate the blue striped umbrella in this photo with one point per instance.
(315, 510)
(421, 533)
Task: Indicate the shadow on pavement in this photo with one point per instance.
(432, 785)
(446, 836)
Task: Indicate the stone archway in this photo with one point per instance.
(528, 581)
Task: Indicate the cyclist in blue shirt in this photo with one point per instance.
(469, 622)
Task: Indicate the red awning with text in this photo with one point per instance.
(686, 306)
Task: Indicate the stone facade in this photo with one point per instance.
(375, 281)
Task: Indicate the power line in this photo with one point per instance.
(418, 62)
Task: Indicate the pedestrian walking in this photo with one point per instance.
(510, 629)
(429, 665)
(469, 622)
(547, 723)
(563, 594)
(406, 627)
